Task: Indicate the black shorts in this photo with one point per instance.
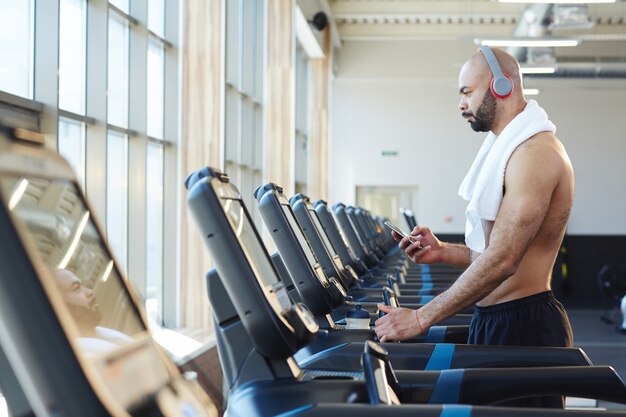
(537, 320)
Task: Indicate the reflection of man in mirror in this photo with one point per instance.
(83, 306)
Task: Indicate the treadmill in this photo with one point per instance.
(325, 251)
(348, 257)
(74, 341)
(300, 261)
(259, 328)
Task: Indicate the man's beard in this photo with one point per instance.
(86, 316)
(485, 115)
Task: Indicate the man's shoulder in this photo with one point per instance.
(541, 155)
(543, 147)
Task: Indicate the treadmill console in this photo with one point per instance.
(98, 312)
(277, 326)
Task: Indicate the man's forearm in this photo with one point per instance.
(458, 255)
(476, 282)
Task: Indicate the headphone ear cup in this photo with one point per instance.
(501, 87)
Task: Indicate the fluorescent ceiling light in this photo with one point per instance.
(537, 70)
(77, 234)
(306, 37)
(527, 42)
(107, 271)
(18, 193)
(557, 1)
(531, 91)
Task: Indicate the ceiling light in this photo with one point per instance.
(557, 1)
(531, 91)
(537, 70)
(72, 248)
(18, 193)
(527, 42)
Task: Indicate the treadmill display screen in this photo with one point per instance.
(322, 233)
(61, 229)
(299, 235)
(248, 237)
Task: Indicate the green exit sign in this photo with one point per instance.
(389, 153)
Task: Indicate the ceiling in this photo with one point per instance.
(600, 28)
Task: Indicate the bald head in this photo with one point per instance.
(478, 68)
(478, 105)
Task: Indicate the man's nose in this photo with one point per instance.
(88, 292)
(463, 104)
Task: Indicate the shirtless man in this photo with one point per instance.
(510, 280)
(83, 306)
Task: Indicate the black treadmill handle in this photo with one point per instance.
(487, 386)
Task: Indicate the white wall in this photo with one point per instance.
(404, 95)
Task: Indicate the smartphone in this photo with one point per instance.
(399, 231)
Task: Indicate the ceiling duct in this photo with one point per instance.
(570, 16)
(534, 22)
(577, 72)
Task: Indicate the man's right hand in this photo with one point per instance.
(426, 248)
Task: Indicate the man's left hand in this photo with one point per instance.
(397, 324)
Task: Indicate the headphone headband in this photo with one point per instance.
(501, 83)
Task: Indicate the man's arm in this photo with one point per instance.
(428, 249)
(531, 177)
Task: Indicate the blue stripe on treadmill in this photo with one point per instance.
(425, 269)
(436, 334)
(321, 354)
(426, 299)
(427, 286)
(295, 411)
(441, 357)
(455, 410)
(448, 387)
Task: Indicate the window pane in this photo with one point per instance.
(248, 56)
(302, 109)
(117, 195)
(247, 133)
(71, 143)
(232, 125)
(302, 87)
(17, 42)
(233, 37)
(154, 234)
(258, 49)
(118, 71)
(72, 55)
(156, 17)
(156, 65)
(258, 137)
(120, 4)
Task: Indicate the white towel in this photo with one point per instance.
(483, 186)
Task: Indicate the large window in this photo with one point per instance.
(107, 73)
(244, 95)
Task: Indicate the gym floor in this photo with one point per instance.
(601, 342)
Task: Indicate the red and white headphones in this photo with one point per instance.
(501, 84)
